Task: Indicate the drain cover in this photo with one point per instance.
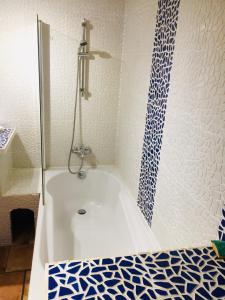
(81, 211)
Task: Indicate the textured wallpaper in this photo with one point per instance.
(190, 187)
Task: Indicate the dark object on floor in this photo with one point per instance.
(22, 226)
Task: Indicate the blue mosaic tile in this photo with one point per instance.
(4, 136)
(162, 58)
(141, 276)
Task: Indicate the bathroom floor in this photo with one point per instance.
(15, 266)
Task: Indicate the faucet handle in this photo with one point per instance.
(81, 150)
(87, 150)
(75, 149)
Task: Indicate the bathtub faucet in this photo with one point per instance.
(82, 151)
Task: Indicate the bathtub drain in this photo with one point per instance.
(82, 211)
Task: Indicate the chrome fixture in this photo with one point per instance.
(82, 151)
(82, 174)
(82, 211)
(83, 55)
(81, 91)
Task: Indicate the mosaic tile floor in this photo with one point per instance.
(181, 274)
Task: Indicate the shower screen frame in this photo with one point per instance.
(41, 102)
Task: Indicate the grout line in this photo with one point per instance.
(23, 286)
(7, 259)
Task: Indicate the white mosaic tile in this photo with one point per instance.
(190, 186)
(135, 72)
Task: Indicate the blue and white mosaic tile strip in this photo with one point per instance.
(5, 135)
(181, 274)
(164, 43)
(222, 226)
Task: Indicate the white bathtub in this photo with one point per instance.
(112, 226)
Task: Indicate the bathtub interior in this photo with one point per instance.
(98, 187)
(105, 229)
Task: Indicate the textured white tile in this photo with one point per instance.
(100, 111)
(138, 36)
(190, 186)
(19, 80)
(19, 76)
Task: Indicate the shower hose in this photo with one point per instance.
(77, 99)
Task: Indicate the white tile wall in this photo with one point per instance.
(190, 187)
(19, 76)
(100, 111)
(138, 35)
(19, 81)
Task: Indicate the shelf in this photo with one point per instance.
(6, 137)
